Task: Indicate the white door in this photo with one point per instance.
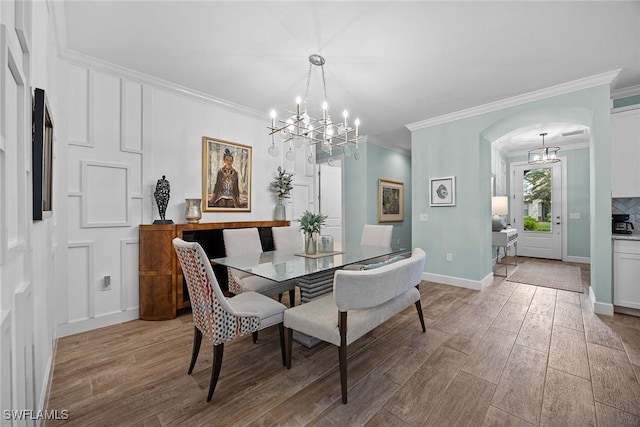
(330, 198)
(536, 211)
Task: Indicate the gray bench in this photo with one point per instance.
(367, 298)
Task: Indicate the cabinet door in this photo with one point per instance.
(626, 280)
(625, 154)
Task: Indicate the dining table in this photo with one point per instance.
(312, 273)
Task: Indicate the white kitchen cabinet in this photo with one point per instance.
(625, 153)
(626, 273)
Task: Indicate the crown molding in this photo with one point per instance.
(397, 149)
(625, 92)
(81, 59)
(561, 89)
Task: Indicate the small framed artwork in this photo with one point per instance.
(226, 176)
(390, 201)
(442, 191)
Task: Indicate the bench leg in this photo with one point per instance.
(419, 308)
(342, 354)
(292, 298)
(289, 345)
(254, 334)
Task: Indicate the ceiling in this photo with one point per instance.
(388, 63)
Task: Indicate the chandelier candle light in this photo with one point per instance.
(300, 129)
(544, 155)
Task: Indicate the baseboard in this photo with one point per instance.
(85, 325)
(626, 310)
(459, 281)
(578, 259)
(600, 307)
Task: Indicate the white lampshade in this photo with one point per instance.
(500, 205)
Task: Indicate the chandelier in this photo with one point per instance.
(543, 155)
(301, 130)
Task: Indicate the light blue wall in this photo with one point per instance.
(577, 169)
(361, 191)
(462, 148)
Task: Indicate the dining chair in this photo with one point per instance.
(374, 235)
(287, 238)
(218, 318)
(246, 241)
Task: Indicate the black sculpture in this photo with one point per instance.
(162, 199)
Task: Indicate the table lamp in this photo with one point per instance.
(499, 207)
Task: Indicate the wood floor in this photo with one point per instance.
(511, 355)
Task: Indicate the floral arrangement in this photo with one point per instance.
(282, 185)
(311, 223)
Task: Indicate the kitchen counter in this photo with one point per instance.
(634, 236)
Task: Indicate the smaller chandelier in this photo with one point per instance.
(300, 129)
(544, 155)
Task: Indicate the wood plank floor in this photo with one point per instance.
(513, 354)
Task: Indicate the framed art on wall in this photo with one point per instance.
(390, 201)
(442, 191)
(42, 156)
(226, 176)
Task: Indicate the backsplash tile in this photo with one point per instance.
(629, 206)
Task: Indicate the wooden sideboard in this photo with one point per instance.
(162, 288)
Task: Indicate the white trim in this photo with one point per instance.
(561, 89)
(85, 164)
(47, 377)
(396, 148)
(600, 307)
(80, 59)
(84, 325)
(625, 108)
(91, 294)
(88, 137)
(124, 119)
(578, 259)
(459, 281)
(23, 15)
(625, 92)
(123, 261)
(4, 315)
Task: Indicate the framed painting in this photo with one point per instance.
(390, 201)
(442, 191)
(226, 176)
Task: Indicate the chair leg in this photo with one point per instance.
(289, 345)
(292, 298)
(218, 351)
(197, 340)
(342, 354)
(255, 336)
(280, 297)
(419, 308)
(282, 346)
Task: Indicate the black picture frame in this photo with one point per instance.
(42, 155)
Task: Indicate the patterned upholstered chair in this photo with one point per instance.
(246, 241)
(217, 318)
(287, 238)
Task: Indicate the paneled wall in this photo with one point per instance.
(27, 251)
(123, 133)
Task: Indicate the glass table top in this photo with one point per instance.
(289, 264)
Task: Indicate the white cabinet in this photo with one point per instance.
(626, 273)
(625, 153)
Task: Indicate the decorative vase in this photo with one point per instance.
(280, 213)
(310, 243)
(193, 212)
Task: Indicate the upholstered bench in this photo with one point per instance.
(367, 298)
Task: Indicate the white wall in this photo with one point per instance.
(123, 132)
(27, 249)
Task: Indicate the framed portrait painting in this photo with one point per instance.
(390, 201)
(442, 191)
(226, 176)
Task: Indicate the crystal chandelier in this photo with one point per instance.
(300, 129)
(544, 155)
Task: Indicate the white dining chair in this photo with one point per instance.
(287, 238)
(246, 241)
(374, 235)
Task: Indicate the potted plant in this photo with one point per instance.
(310, 224)
(281, 186)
